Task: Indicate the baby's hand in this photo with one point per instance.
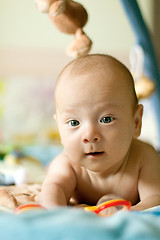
(111, 210)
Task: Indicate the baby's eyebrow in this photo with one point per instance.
(109, 105)
(69, 110)
(68, 113)
(66, 109)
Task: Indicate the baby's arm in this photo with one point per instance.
(149, 181)
(59, 184)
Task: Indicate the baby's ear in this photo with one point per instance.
(138, 120)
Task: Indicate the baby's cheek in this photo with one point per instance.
(71, 148)
(117, 151)
(122, 141)
(64, 135)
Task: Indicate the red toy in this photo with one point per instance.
(125, 205)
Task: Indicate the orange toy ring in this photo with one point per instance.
(27, 207)
(112, 203)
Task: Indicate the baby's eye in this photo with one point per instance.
(74, 123)
(106, 119)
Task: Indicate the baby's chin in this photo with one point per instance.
(96, 169)
(88, 164)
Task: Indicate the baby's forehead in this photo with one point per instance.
(103, 70)
(91, 63)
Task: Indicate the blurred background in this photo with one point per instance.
(32, 54)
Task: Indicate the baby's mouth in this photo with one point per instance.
(94, 154)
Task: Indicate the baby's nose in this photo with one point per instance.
(91, 135)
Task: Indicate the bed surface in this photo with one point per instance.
(72, 223)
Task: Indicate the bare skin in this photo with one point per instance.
(99, 122)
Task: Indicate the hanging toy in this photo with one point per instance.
(150, 68)
(43, 5)
(69, 17)
(143, 85)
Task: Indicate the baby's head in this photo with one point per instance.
(105, 69)
(97, 109)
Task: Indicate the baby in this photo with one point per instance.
(99, 120)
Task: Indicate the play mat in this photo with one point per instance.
(73, 223)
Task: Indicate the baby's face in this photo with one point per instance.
(95, 119)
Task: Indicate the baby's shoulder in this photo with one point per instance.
(142, 146)
(62, 161)
(144, 151)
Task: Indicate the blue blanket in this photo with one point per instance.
(75, 224)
